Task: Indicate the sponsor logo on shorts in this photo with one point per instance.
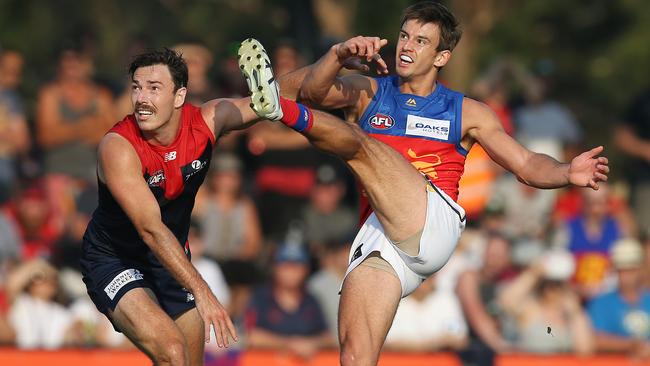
(121, 280)
(381, 121)
(190, 297)
(428, 127)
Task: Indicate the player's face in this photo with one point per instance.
(153, 96)
(416, 49)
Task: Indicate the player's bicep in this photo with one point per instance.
(349, 91)
(223, 115)
(121, 171)
(500, 146)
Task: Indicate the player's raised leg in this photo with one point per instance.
(392, 184)
(164, 343)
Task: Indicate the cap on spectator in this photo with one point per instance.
(226, 162)
(559, 265)
(326, 174)
(295, 253)
(627, 253)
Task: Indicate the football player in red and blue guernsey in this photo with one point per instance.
(408, 152)
(135, 255)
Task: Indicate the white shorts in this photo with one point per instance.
(445, 221)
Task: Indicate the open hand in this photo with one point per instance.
(214, 314)
(588, 169)
(352, 51)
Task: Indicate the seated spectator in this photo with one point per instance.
(10, 245)
(211, 273)
(39, 321)
(231, 229)
(199, 60)
(73, 113)
(477, 290)
(14, 133)
(621, 318)
(325, 284)
(589, 237)
(283, 315)
(428, 320)
(31, 215)
(540, 299)
(526, 210)
(208, 268)
(326, 218)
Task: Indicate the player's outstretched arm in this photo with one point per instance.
(227, 114)
(121, 171)
(534, 169)
(323, 87)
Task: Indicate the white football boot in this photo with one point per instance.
(255, 65)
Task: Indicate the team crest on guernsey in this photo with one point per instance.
(381, 121)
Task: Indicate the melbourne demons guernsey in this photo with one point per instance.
(425, 130)
(173, 173)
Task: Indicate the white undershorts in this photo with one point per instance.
(443, 225)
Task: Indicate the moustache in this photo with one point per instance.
(144, 107)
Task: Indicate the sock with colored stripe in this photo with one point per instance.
(296, 115)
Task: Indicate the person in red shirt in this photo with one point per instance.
(136, 257)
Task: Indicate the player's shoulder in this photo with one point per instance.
(113, 143)
(475, 111)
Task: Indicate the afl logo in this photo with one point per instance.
(381, 121)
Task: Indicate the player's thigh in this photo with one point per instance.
(141, 319)
(369, 300)
(395, 189)
(191, 325)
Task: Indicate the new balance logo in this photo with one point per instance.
(170, 156)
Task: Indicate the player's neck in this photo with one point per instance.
(422, 86)
(167, 132)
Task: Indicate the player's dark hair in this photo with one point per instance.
(433, 12)
(173, 60)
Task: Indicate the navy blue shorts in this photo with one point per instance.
(108, 278)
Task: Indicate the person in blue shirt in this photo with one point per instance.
(283, 315)
(621, 318)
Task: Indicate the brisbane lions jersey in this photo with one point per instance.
(425, 130)
(173, 174)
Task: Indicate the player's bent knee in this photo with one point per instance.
(173, 351)
(356, 355)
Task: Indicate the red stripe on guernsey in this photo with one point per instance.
(440, 161)
(165, 162)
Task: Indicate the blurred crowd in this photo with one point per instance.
(563, 271)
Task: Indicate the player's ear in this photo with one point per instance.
(442, 58)
(179, 97)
